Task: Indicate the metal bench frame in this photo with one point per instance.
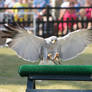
(31, 82)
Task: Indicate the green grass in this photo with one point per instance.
(10, 81)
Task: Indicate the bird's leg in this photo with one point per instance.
(45, 57)
(56, 59)
(49, 56)
(53, 58)
(44, 61)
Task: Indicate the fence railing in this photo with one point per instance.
(47, 26)
(29, 23)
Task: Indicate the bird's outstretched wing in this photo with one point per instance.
(74, 43)
(26, 45)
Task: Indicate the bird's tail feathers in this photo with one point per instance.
(11, 32)
(12, 28)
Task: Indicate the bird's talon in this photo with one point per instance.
(56, 57)
(57, 54)
(49, 56)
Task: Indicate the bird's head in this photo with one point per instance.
(53, 39)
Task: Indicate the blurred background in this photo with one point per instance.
(45, 18)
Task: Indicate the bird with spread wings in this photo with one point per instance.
(33, 48)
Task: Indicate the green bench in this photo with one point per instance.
(55, 72)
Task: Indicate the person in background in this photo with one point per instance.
(82, 2)
(20, 14)
(2, 3)
(77, 5)
(63, 5)
(88, 3)
(82, 16)
(9, 4)
(40, 14)
(69, 14)
(8, 15)
(40, 4)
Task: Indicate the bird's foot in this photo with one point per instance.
(56, 59)
(49, 56)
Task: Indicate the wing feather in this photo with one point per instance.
(73, 44)
(28, 46)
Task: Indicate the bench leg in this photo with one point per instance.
(30, 84)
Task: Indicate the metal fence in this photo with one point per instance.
(29, 24)
(48, 25)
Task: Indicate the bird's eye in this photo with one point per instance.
(51, 40)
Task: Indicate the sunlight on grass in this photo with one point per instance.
(10, 81)
(64, 85)
(12, 88)
(7, 51)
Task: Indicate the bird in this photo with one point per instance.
(57, 49)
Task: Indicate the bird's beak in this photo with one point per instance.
(54, 41)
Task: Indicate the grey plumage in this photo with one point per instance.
(34, 48)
